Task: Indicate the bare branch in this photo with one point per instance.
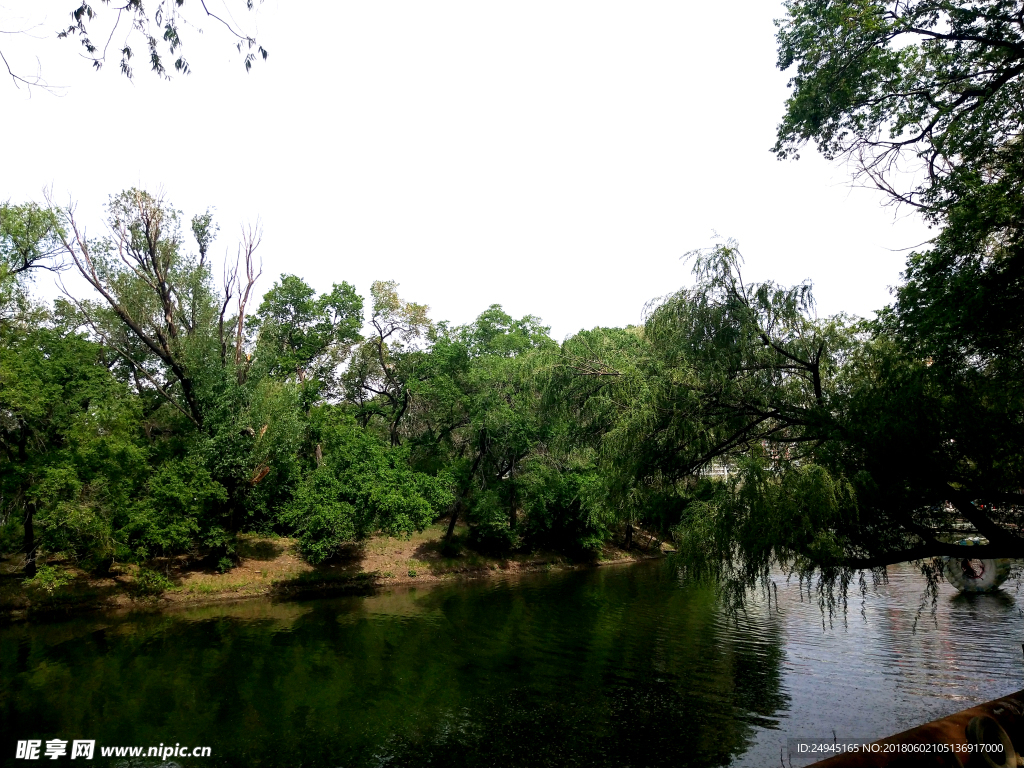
(251, 239)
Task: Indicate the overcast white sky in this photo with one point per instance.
(553, 156)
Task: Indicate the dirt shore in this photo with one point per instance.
(271, 566)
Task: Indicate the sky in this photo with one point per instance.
(557, 157)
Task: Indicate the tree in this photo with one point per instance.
(938, 81)
(479, 412)
(381, 367)
(358, 486)
(606, 389)
(936, 85)
(29, 242)
(842, 452)
(157, 304)
(926, 98)
(157, 30)
(71, 464)
(305, 336)
(188, 353)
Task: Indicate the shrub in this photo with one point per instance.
(49, 579)
(148, 582)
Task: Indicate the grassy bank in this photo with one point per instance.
(273, 567)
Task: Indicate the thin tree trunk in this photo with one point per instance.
(512, 509)
(451, 523)
(29, 543)
(459, 501)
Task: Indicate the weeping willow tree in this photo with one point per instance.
(834, 453)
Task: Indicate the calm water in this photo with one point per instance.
(616, 666)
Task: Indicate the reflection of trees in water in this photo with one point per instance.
(596, 668)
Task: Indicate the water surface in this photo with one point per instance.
(618, 666)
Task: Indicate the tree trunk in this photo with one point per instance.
(29, 543)
(462, 496)
(629, 536)
(512, 509)
(451, 523)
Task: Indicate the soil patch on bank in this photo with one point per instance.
(273, 566)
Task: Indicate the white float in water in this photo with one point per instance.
(973, 574)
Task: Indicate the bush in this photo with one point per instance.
(49, 579)
(363, 486)
(149, 582)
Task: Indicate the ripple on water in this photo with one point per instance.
(893, 660)
(606, 667)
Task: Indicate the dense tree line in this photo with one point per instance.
(156, 411)
(165, 412)
(160, 412)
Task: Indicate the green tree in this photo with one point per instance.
(934, 88)
(926, 98)
(358, 486)
(377, 377)
(938, 81)
(605, 389)
(840, 452)
(29, 242)
(72, 467)
(479, 412)
(186, 350)
(307, 337)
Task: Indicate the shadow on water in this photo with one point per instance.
(615, 666)
(985, 602)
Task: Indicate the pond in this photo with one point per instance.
(615, 666)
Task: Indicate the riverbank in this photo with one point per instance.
(272, 567)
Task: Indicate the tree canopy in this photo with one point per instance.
(926, 98)
(158, 413)
(850, 445)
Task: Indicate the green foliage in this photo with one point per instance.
(305, 336)
(363, 486)
(179, 418)
(928, 409)
(183, 503)
(149, 582)
(760, 517)
(937, 86)
(478, 411)
(735, 417)
(378, 375)
(71, 460)
(567, 503)
(157, 32)
(29, 243)
(29, 239)
(49, 579)
(936, 81)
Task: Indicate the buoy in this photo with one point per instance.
(994, 748)
(973, 574)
